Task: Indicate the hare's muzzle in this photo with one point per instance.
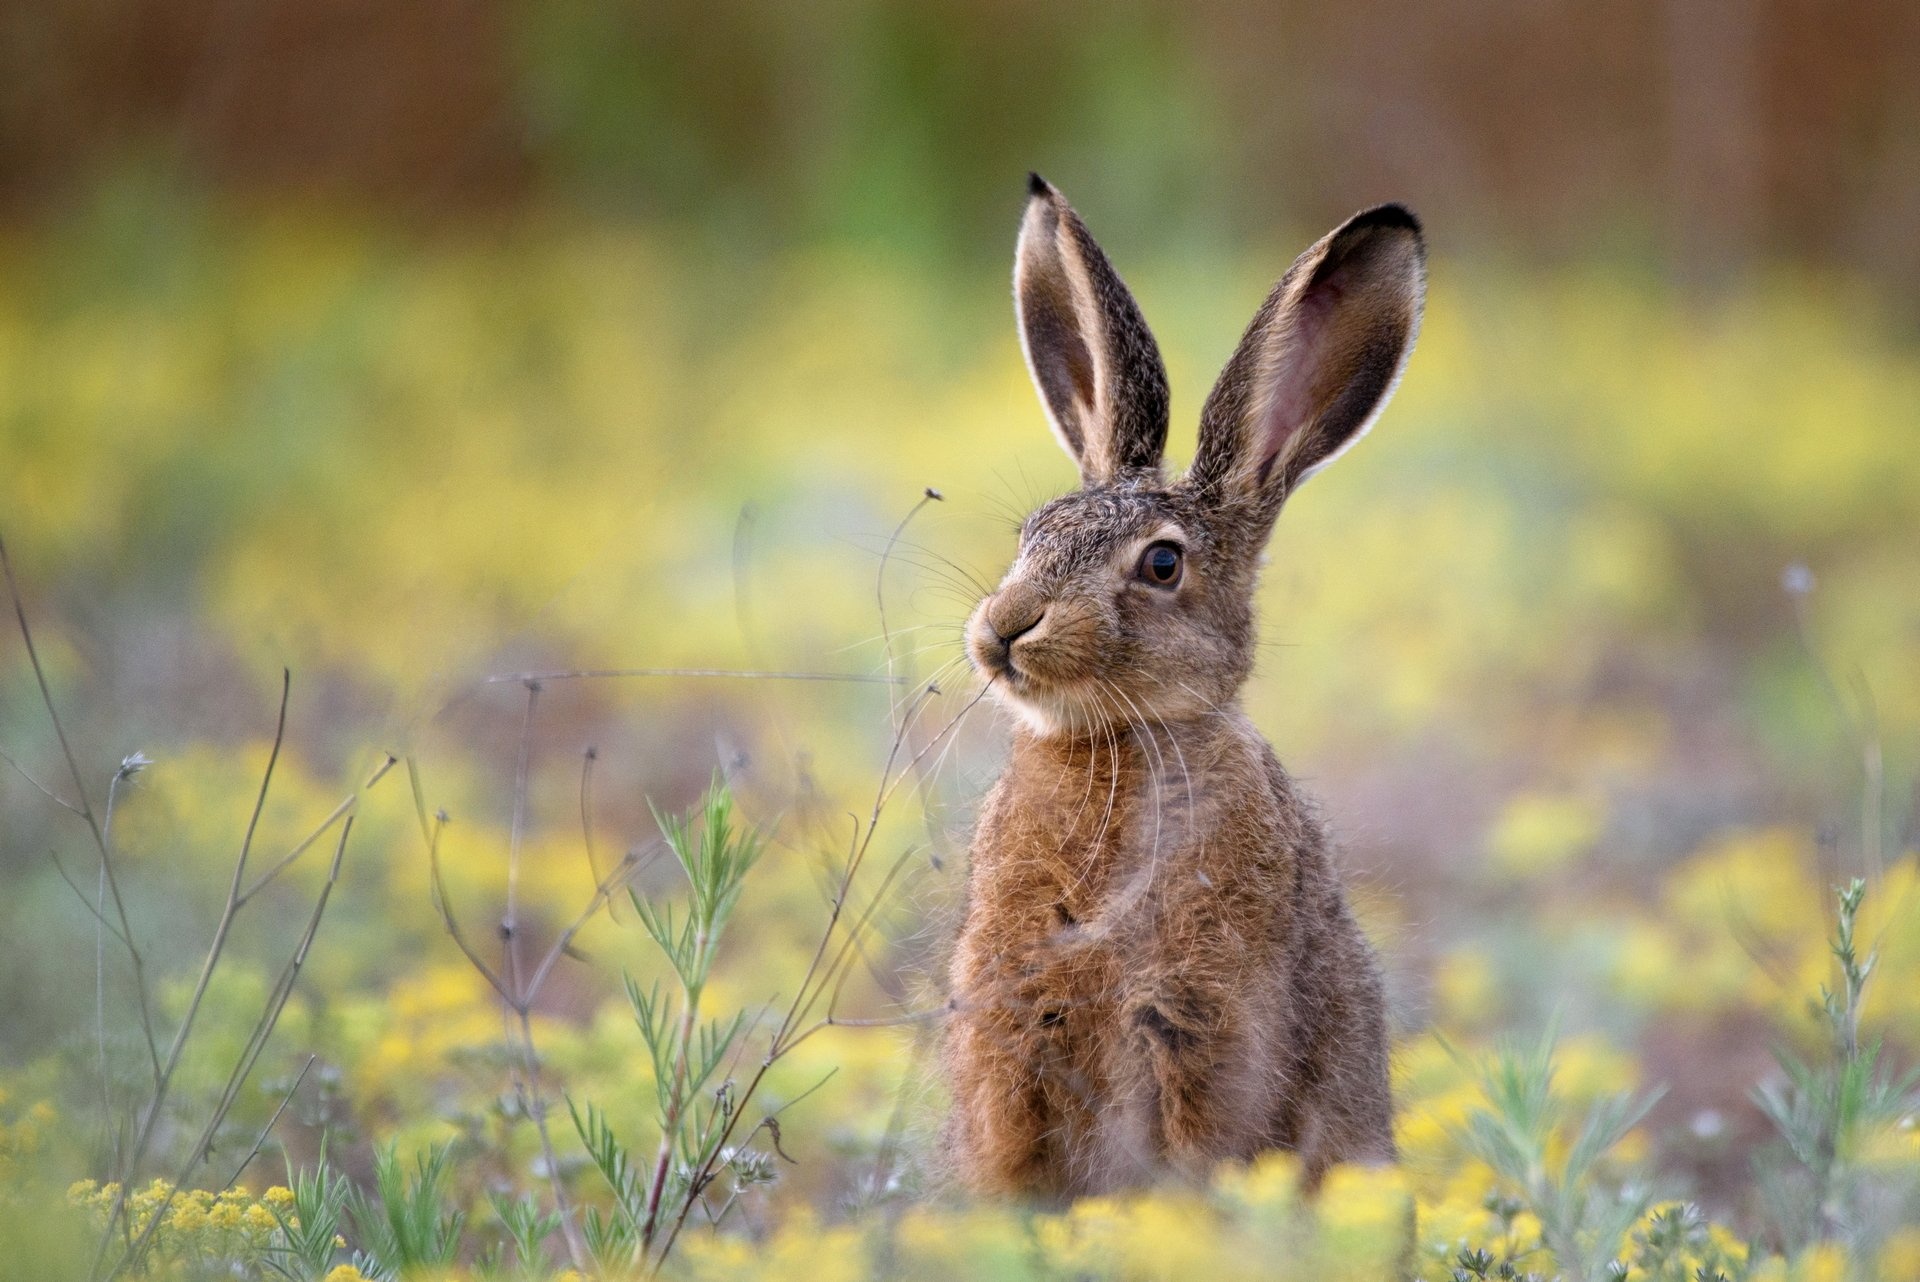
(1001, 621)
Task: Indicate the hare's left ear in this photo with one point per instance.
(1092, 357)
(1318, 363)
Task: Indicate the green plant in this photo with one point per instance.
(1583, 1216)
(1482, 1265)
(526, 1227)
(687, 1049)
(310, 1225)
(404, 1226)
(1678, 1244)
(1830, 1112)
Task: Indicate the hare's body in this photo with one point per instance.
(1154, 974)
(1158, 969)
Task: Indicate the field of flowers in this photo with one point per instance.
(518, 933)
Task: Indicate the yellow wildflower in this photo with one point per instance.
(188, 1216)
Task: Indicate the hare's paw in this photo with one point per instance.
(1180, 1032)
(1003, 1133)
(1176, 1023)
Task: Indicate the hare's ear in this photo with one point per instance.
(1318, 363)
(1092, 357)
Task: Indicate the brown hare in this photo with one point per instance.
(1158, 970)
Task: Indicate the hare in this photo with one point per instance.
(1157, 969)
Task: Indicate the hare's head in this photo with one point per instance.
(1131, 597)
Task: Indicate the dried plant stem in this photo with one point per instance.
(931, 495)
(519, 994)
(270, 1015)
(39, 787)
(256, 1044)
(533, 1102)
(272, 1122)
(510, 923)
(85, 810)
(587, 759)
(346, 806)
(211, 962)
(584, 674)
(96, 910)
(127, 1160)
(107, 1128)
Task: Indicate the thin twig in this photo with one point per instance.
(250, 1053)
(602, 896)
(583, 674)
(852, 867)
(85, 809)
(945, 730)
(930, 495)
(45, 791)
(214, 949)
(510, 923)
(520, 995)
(1862, 728)
(883, 1021)
(100, 971)
(587, 759)
(347, 803)
(267, 1130)
(534, 1102)
(438, 886)
(854, 933)
(82, 895)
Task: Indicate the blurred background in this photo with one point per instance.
(402, 345)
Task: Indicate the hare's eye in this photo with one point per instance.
(1160, 564)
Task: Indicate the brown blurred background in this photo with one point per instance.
(1706, 135)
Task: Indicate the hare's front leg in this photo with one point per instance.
(1001, 1125)
(1191, 1011)
(1015, 1095)
(1184, 1030)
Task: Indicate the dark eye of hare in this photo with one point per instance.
(1160, 564)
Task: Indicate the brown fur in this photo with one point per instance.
(1158, 969)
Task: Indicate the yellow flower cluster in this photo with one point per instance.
(197, 1225)
(22, 1134)
(1364, 1225)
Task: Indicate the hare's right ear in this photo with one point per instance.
(1091, 355)
(1318, 363)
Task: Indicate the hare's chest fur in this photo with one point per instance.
(1122, 919)
(1103, 828)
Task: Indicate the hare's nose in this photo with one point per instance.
(1007, 631)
